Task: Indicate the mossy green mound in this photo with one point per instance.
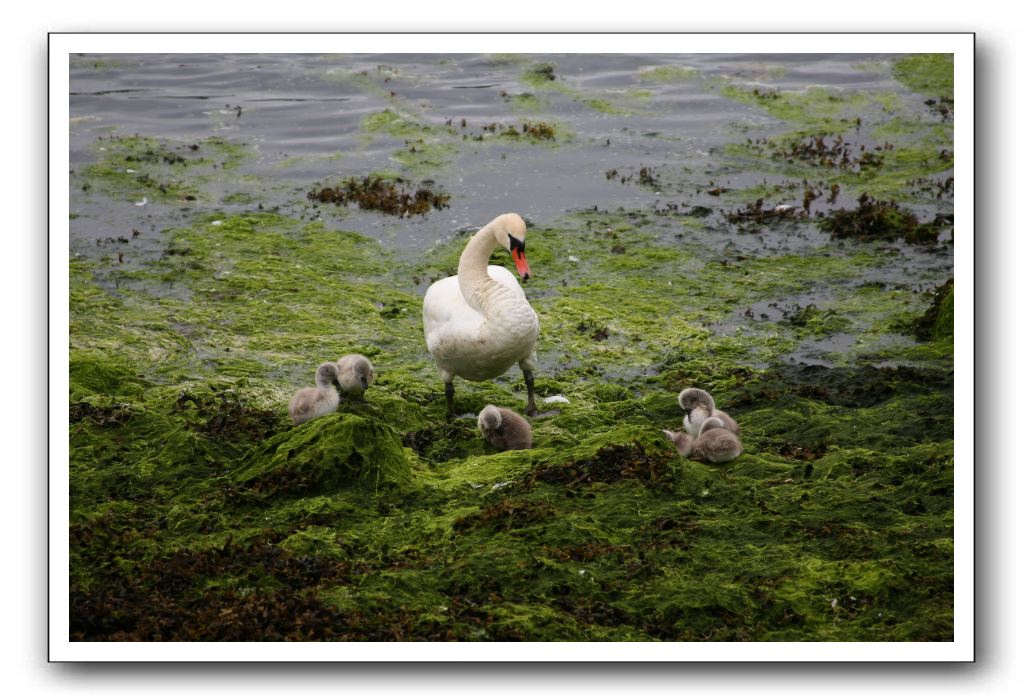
(324, 454)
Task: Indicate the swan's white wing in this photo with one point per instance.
(444, 303)
(455, 334)
(448, 318)
(506, 278)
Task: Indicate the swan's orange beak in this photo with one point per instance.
(519, 256)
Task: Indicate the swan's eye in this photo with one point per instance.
(514, 244)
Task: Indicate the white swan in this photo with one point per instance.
(479, 322)
(314, 401)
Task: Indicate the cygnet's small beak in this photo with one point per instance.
(519, 256)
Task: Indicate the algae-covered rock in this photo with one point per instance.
(326, 453)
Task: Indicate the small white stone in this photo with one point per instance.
(142, 202)
(216, 223)
(556, 399)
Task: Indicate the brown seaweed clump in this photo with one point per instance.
(390, 197)
(540, 131)
(876, 219)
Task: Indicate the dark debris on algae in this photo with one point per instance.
(884, 220)
(391, 197)
(197, 512)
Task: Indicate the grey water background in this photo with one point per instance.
(301, 116)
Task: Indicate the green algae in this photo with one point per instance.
(324, 454)
(877, 142)
(542, 77)
(539, 75)
(199, 512)
(525, 102)
(668, 74)
(132, 166)
(927, 73)
(426, 148)
(938, 322)
(499, 59)
(429, 148)
(815, 108)
(378, 82)
(394, 123)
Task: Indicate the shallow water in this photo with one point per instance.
(303, 115)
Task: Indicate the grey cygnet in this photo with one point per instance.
(716, 444)
(505, 429)
(698, 406)
(314, 401)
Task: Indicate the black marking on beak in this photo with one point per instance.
(515, 243)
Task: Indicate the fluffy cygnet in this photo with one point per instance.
(314, 401)
(355, 373)
(715, 444)
(505, 429)
(698, 405)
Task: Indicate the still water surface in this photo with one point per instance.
(304, 114)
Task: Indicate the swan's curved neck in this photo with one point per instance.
(473, 279)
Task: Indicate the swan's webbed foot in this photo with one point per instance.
(531, 410)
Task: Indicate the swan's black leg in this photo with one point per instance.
(449, 393)
(530, 404)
